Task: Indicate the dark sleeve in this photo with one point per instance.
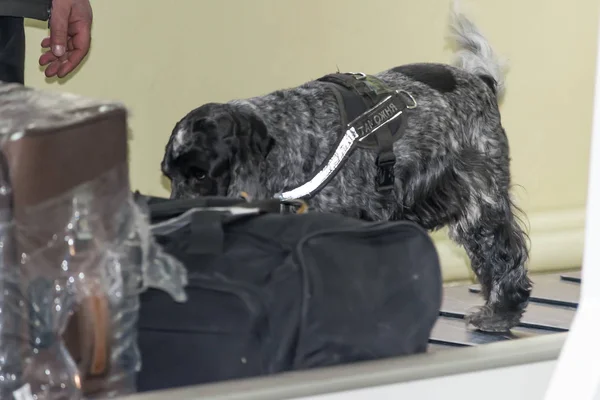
(35, 9)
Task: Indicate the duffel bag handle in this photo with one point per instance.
(206, 235)
(164, 209)
(206, 232)
(277, 206)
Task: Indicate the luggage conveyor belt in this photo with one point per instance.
(551, 309)
(536, 354)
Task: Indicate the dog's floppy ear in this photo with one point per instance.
(229, 134)
(224, 145)
(254, 139)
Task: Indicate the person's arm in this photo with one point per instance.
(70, 36)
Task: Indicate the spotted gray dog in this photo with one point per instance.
(451, 162)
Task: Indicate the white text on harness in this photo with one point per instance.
(377, 120)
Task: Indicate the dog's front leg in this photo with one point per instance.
(497, 247)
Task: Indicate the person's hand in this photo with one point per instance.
(70, 37)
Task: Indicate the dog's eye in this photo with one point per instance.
(197, 173)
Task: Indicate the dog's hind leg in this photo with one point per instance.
(497, 247)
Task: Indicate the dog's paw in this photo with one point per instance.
(487, 320)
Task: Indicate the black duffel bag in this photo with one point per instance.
(270, 293)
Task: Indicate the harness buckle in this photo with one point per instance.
(410, 96)
(358, 75)
(385, 172)
(293, 207)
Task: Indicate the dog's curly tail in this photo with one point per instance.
(474, 53)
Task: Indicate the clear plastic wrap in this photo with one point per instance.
(72, 260)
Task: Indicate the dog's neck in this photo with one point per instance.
(249, 179)
(265, 175)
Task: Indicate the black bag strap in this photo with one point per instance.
(206, 232)
(165, 209)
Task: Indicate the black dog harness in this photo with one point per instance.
(377, 119)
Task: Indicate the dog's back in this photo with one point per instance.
(305, 124)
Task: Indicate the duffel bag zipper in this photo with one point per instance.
(377, 227)
(253, 295)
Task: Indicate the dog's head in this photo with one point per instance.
(205, 146)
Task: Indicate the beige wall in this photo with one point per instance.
(161, 58)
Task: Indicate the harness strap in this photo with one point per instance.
(386, 160)
(371, 117)
(354, 106)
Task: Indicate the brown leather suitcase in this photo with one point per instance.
(57, 149)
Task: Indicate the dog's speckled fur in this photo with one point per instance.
(452, 164)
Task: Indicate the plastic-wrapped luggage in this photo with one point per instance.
(75, 249)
